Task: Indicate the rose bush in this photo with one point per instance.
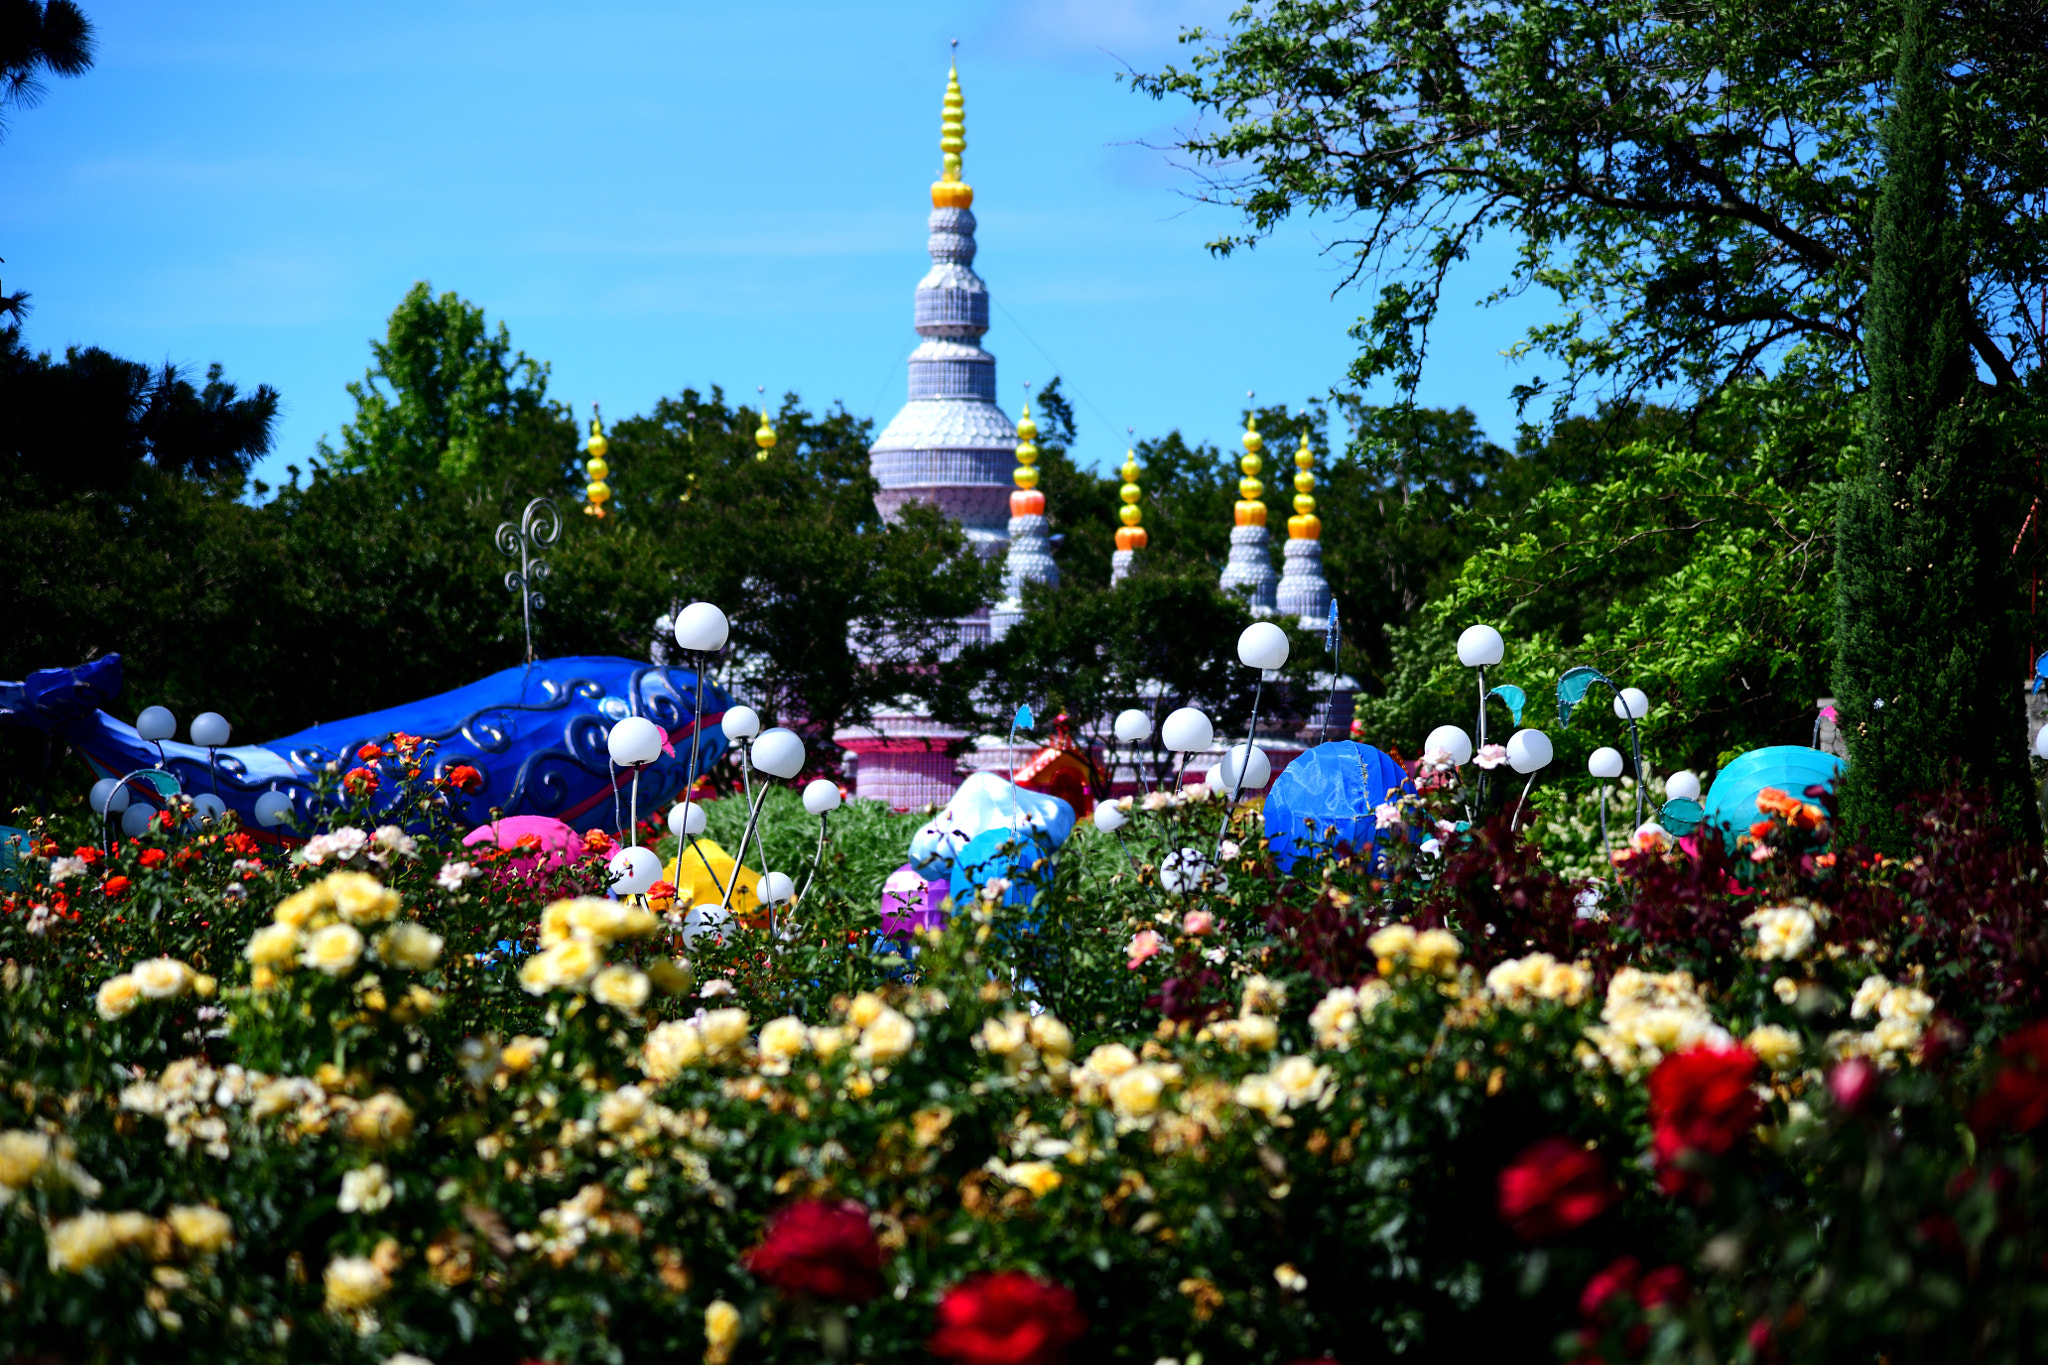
(354, 1103)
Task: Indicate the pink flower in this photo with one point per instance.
(1197, 923)
(1492, 756)
(1386, 814)
(1852, 1083)
(1145, 943)
(1437, 760)
(1762, 853)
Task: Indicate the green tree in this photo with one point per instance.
(441, 388)
(38, 37)
(1924, 626)
(1693, 183)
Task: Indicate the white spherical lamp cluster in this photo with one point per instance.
(633, 870)
(1605, 762)
(1133, 727)
(1263, 645)
(1480, 647)
(778, 753)
(156, 723)
(635, 742)
(1529, 751)
(210, 730)
(702, 627)
(1187, 731)
(740, 722)
(686, 821)
(1451, 740)
(821, 796)
(1682, 785)
(110, 796)
(1631, 703)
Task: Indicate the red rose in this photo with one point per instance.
(1554, 1186)
(1617, 1280)
(1701, 1101)
(822, 1249)
(359, 782)
(113, 888)
(87, 854)
(2018, 1098)
(1665, 1285)
(464, 778)
(240, 844)
(1007, 1318)
(369, 753)
(153, 857)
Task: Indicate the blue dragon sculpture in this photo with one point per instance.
(535, 734)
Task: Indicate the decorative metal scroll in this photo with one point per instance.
(539, 527)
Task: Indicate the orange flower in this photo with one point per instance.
(1762, 829)
(153, 857)
(359, 782)
(1771, 801)
(370, 753)
(113, 888)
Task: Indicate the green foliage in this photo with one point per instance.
(37, 37)
(1926, 599)
(442, 390)
(1693, 185)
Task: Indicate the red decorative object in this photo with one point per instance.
(1553, 1187)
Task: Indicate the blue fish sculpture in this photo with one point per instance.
(535, 735)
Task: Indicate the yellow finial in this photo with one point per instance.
(597, 492)
(950, 191)
(1250, 510)
(1304, 525)
(1027, 501)
(765, 437)
(1130, 535)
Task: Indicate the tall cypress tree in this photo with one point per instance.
(1927, 661)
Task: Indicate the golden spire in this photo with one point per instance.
(1130, 535)
(765, 437)
(950, 191)
(1250, 511)
(597, 490)
(1303, 525)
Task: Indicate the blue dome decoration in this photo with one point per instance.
(1336, 786)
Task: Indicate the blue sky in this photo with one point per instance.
(654, 195)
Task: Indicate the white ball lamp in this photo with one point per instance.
(1683, 785)
(1245, 773)
(110, 796)
(1110, 817)
(1631, 703)
(156, 724)
(1480, 647)
(702, 627)
(207, 808)
(135, 820)
(210, 730)
(1187, 731)
(635, 742)
(779, 753)
(1133, 726)
(686, 821)
(1451, 740)
(1605, 762)
(821, 796)
(273, 808)
(776, 888)
(633, 870)
(740, 722)
(1262, 645)
(1529, 751)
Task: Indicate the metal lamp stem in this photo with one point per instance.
(753, 814)
(1237, 780)
(817, 860)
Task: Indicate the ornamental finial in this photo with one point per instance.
(1027, 500)
(765, 436)
(1304, 525)
(597, 492)
(950, 191)
(1130, 535)
(1251, 511)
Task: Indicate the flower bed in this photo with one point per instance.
(392, 1102)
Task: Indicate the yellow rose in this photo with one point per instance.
(334, 950)
(1776, 1047)
(522, 1052)
(724, 1031)
(1262, 1093)
(1335, 1019)
(360, 898)
(1436, 951)
(1257, 1033)
(782, 1040)
(302, 908)
(669, 1048)
(78, 1244)
(204, 986)
(274, 945)
(22, 1154)
(117, 996)
(1262, 995)
(610, 921)
(864, 1008)
(1136, 1092)
(887, 1037)
(554, 923)
(1003, 1036)
(623, 988)
(1786, 989)
(162, 978)
(566, 966)
(1039, 1177)
(1051, 1037)
(621, 1109)
(828, 1040)
(382, 1119)
(201, 1227)
(1394, 941)
(410, 946)
(1111, 1060)
(1301, 1080)
(721, 1332)
(353, 1283)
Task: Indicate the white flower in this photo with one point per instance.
(64, 869)
(994, 889)
(408, 945)
(454, 876)
(117, 996)
(339, 844)
(334, 950)
(1867, 996)
(365, 1191)
(1491, 756)
(1386, 815)
(1783, 934)
(162, 978)
(390, 840)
